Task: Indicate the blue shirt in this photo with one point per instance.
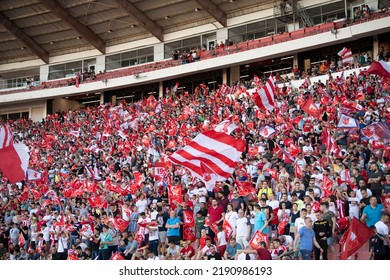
(260, 219)
(233, 250)
(306, 236)
(173, 231)
(373, 214)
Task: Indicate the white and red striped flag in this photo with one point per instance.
(346, 55)
(13, 157)
(218, 151)
(264, 97)
(380, 68)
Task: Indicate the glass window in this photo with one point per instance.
(270, 22)
(314, 11)
(14, 116)
(331, 8)
(127, 55)
(191, 43)
(256, 26)
(113, 58)
(25, 115)
(146, 51)
(74, 65)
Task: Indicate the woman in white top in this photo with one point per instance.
(231, 216)
(221, 241)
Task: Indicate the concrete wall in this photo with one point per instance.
(63, 104)
(36, 109)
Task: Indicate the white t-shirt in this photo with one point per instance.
(141, 204)
(359, 194)
(273, 203)
(382, 228)
(242, 227)
(231, 217)
(299, 222)
(222, 238)
(153, 233)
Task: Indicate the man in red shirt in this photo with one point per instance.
(187, 252)
(217, 215)
(261, 252)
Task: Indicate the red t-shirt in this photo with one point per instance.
(263, 254)
(215, 214)
(188, 249)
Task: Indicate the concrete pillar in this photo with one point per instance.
(222, 35)
(159, 52)
(234, 74)
(44, 73)
(295, 60)
(113, 100)
(224, 76)
(100, 63)
(160, 89)
(375, 47)
(101, 98)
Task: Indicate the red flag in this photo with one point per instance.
(311, 108)
(386, 201)
(256, 79)
(257, 238)
(13, 157)
(175, 195)
(253, 151)
(358, 235)
(245, 188)
(380, 68)
(298, 171)
(22, 241)
(282, 227)
(189, 233)
(189, 218)
(327, 185)
(95, 201)
(227, 229)
(117, 257)
(121, 224)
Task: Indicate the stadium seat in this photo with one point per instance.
(282, 38)
(326, 27)
(313, 30)
(300, 33)
(266, 41)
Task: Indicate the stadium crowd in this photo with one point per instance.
(101, 184)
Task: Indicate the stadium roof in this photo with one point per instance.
(31, 29)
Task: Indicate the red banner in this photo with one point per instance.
(245, 188)
(189, 233)
(121, 224)
(175, 195)
(227, 229)
(257, 238)
(117, 257)
(356, 236)
(188, 218)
